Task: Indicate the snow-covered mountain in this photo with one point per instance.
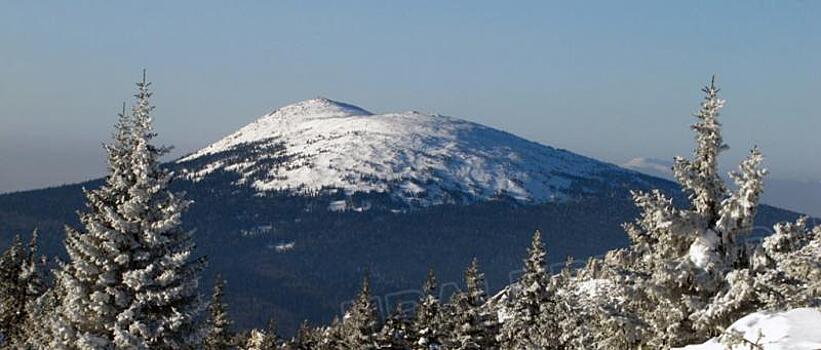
(419, 158)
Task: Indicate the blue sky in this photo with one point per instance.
(612, 80)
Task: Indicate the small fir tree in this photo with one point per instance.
(474, 326)
(395, 332)
(529, 305)
(218, 326)
(427, 323)
(359, 323)
(21, 284)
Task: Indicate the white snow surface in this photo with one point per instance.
(594, 287)
(702, 251)
(797, 329)
(415, 156)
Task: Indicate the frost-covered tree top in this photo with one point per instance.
(699, 176)
(219, 335)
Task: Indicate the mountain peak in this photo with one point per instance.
(319, 107)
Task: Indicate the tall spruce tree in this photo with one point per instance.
(306, 338)
(21, 283)
(474, 326)
(130, 281)
(41, 316)
(262, 339)
(528, 305)
(359, 322)
(218, 326)
(11, 308)
(682, 257)
(395, 332)
(428, 325)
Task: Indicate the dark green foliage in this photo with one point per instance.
(473, 326)
(218, 326)
(359, 324)
(20, 285)
(395, 333)
(429, 327)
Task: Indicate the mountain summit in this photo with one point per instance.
(419, 159)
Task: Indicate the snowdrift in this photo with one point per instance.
(797, 329)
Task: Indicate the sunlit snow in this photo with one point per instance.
(418, 157)
(797, 329)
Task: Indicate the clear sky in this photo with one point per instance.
(612, 79)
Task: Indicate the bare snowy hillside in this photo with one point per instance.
(419, 158)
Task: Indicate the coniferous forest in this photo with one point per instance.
(132, 275)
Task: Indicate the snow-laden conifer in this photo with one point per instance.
(131, 280)
(263, 339)
(359, 323)
(530, 322)
(218, 325)
(395, 332)
(428, 325)
(21, 283)
(473, 325)
(682, 256)
(306, 338)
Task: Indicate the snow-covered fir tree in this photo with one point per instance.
(21, 283)
(530, 322)
(131, 280)
(682, 256)
(218, 325)
(255, 341)
(12, 305)
(359, 323)
(262, 339)
(395, 332)
(331, 337)
(596, 307)
(306, 338)
(41, 316)
(474, 325)
(271, 339)
(427, 324)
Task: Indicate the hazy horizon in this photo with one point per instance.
(613, 82)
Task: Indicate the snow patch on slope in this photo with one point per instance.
(797, 329)
(423, 159)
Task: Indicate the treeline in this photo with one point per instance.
(131, 280)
